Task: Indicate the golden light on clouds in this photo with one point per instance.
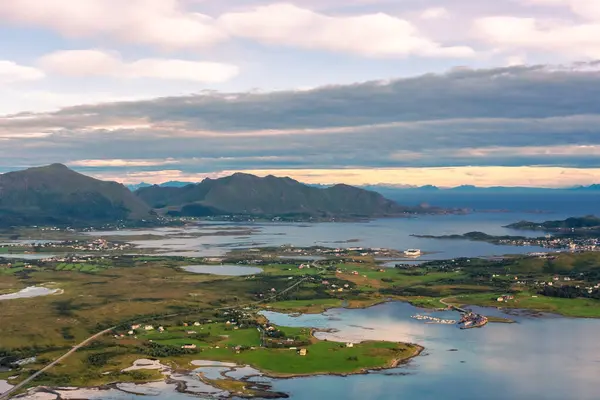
(442, 176)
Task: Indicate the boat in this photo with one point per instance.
(412, 253)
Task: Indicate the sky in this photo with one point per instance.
(391, 92)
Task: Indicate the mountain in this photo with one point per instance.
(136, 186)
(594, 187)
(57, 195)
(243, 194)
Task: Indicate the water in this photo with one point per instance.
(31, 257)
(225, 270)
(536, 359)
(558, 204)
(26, 242)
(304, 258)
(32, 291)
(549, 358)
(4, 386)
(393, 233)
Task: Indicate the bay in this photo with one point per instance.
(550, 358)
(392, 233)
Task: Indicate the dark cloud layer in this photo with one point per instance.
(507, 116)
(516, 92)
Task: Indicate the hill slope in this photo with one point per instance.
(250, 195)
(57, 195)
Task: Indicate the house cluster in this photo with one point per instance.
(505, 298)
(74, 245)
(335, 288)
(560, 243)
(11, 265)
(94, 245)
(338, 252)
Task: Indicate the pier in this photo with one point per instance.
(453, 307)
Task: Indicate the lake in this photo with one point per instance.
(225, 270)
(28, 292)
(27, 256)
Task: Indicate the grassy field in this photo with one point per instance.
(585, 308)
(101, 298)
(322, 356)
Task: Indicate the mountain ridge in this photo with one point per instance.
(376, 187)
(245, 194)
(55, 194)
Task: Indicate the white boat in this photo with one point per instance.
(412, 253)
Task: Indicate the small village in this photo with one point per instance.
(230, 330)
(96, 245)
(560, 243)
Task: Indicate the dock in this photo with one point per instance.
(453, 307)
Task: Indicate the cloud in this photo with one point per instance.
(434, 13)
(84, 63)
(514, 61)
(11, 72)
(122, 163)
(447, 176)
(543, 116)
(172, 24)
(572, 37)
(587, 9)
(163, 23)
(505, 95)
(375, 35)
(550, 177)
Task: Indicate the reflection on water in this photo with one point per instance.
(225, 270)
(534, 359)
(23, 256)
(389, 233)
(4, 386)
(543, 358)
(32, 291)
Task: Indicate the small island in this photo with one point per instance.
(573, 240)
(589, 223)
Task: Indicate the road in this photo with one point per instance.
(444, 302)
(21, 385)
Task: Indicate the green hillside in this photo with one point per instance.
(57, 195)
(250, 195)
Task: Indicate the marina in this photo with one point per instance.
(433, 320)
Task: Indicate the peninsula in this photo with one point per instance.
(587, 224)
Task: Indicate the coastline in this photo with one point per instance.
(395, 363)
(243, 387)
